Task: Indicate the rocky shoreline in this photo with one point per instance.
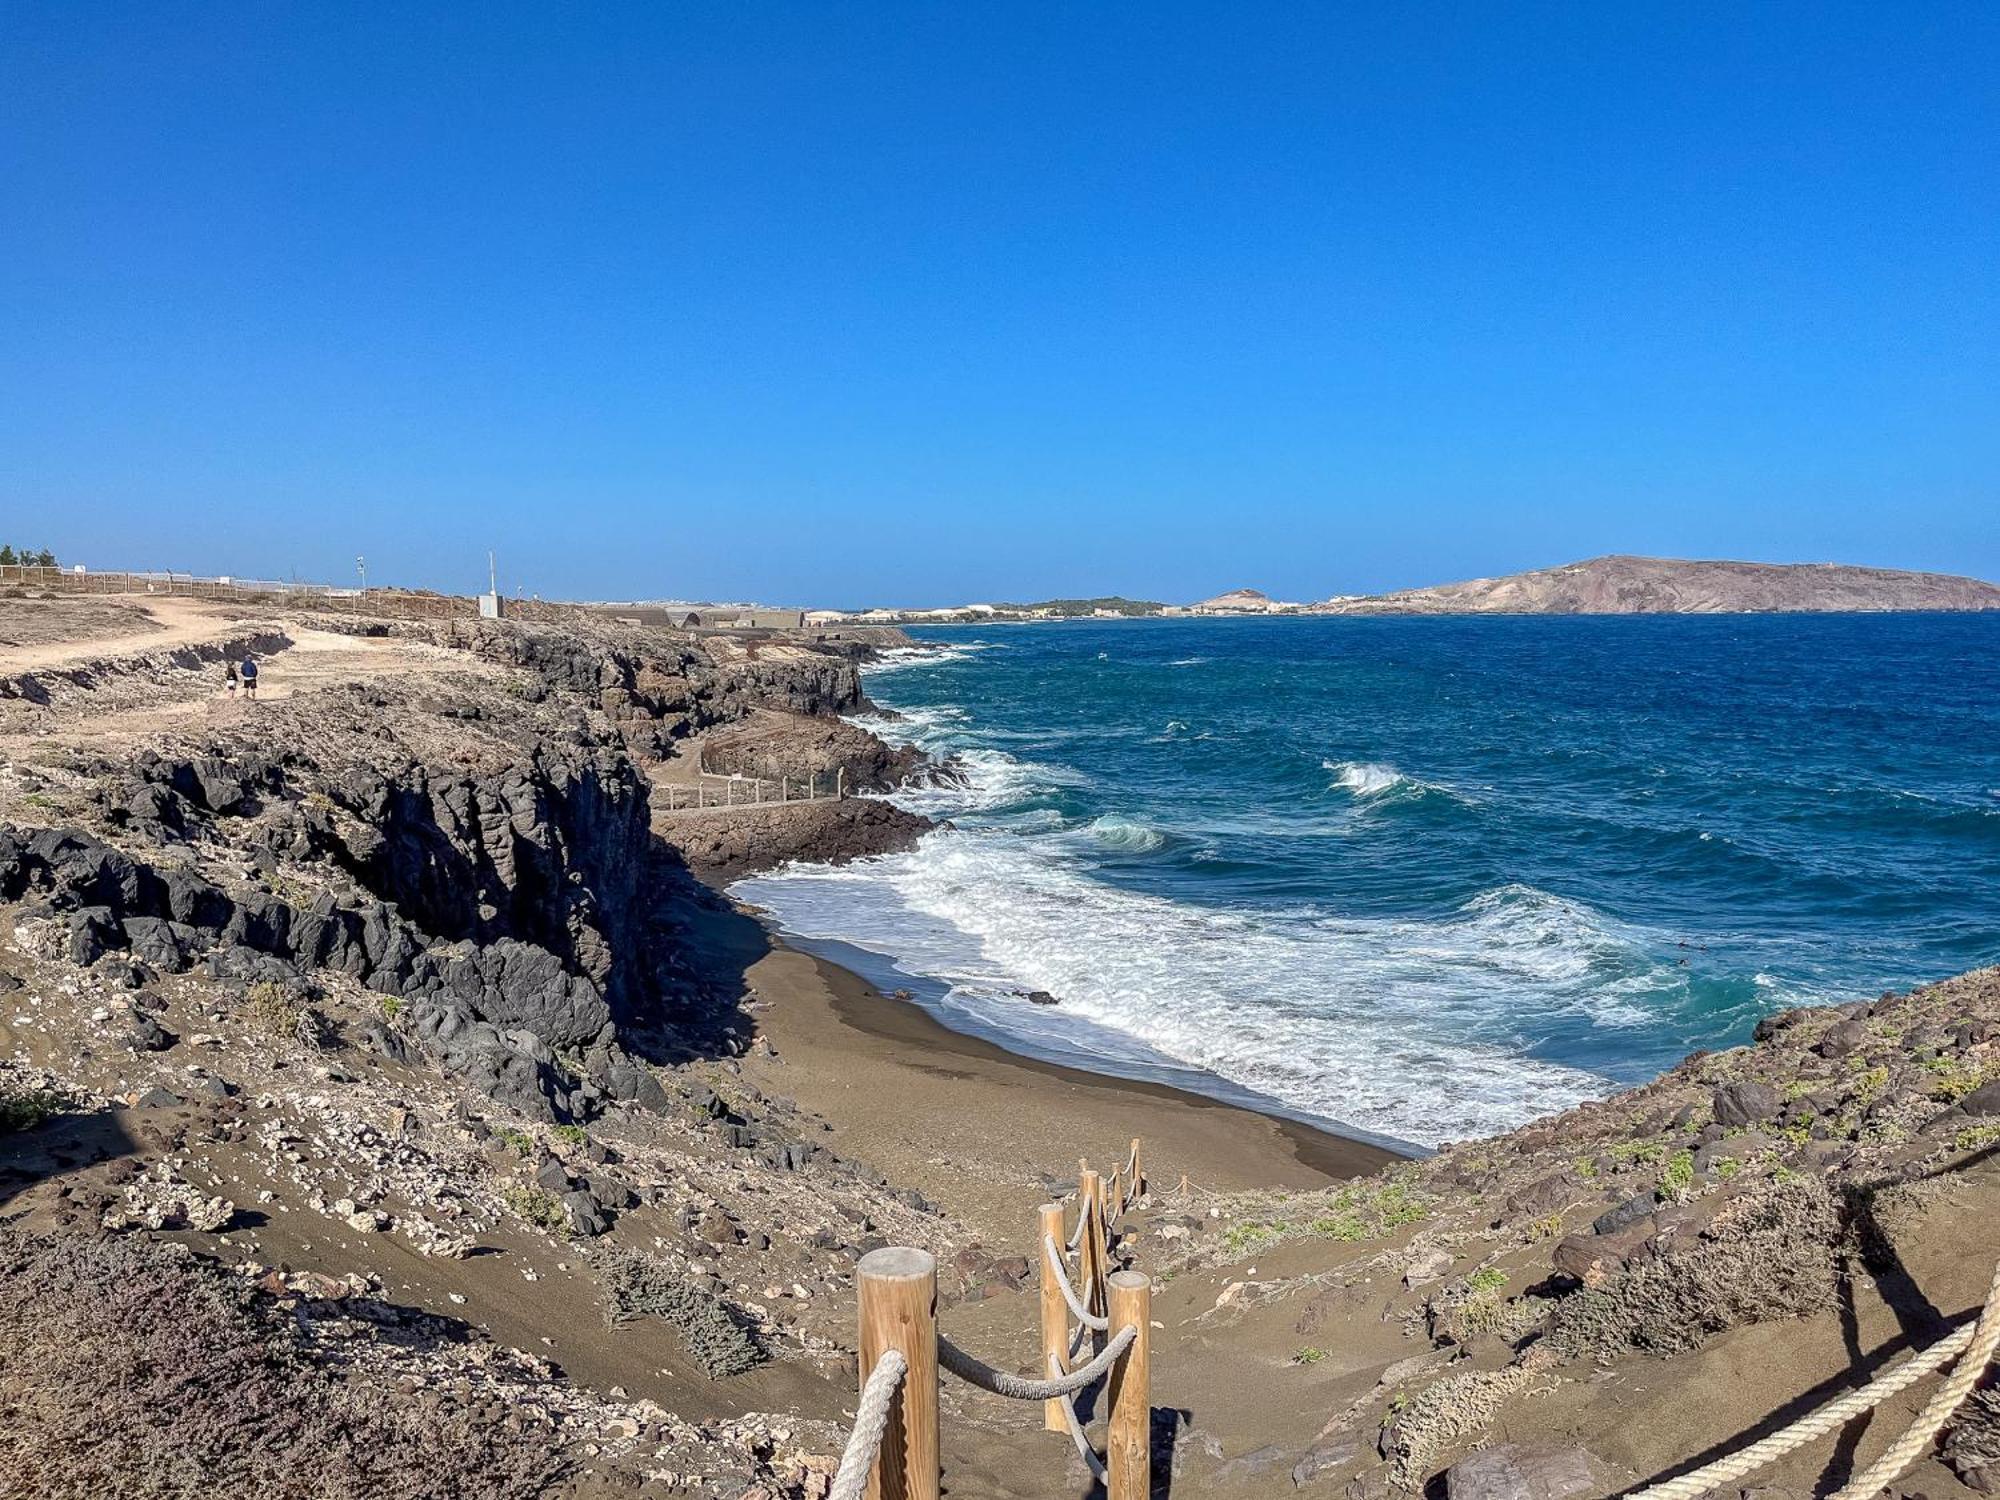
(391, 1037)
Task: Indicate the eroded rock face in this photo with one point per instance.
(773, 745)
(494, 1011)
(483, 853)
(721, 848)
(658, 690)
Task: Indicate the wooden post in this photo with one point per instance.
(1118, 1187)
(840, 782)
(1055, 1315)
(1128, 1440)
(1138, 1183)
(1093, 1264)
(898, 1295)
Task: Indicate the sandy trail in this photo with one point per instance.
(182, 622)
(316, 660)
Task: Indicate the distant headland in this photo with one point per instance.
(1617, 584)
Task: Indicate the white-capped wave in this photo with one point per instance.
(1127, 834)
(901, 658)
(1367, 780)
(1411, 1027)
(1189, 661)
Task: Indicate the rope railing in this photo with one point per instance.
(871, 1418)
(1077, 1435)
(975, 1371)
(1977, 1341)
(1077, 1309)
(892, 1452)
(1082, 1225)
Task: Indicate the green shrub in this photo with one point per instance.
(1974, 1137)
(1677, 1181)
(24, 1108)
(536, 1205)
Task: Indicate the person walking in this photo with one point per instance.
(229, 681)
(249, 679)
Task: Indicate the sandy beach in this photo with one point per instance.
(986, 1130)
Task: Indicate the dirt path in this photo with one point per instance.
(315, 660)
(182, 622)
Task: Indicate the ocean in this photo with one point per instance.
(1424, 879)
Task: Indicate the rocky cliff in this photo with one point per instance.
(390, 995)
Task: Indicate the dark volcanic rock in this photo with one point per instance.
(1745, 1103)
(722, 846)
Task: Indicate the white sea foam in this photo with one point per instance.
(1368, 780)
(1409, 1027)
(901, 658)
(1365, 778)
(1189, 661)
(1413, 1027)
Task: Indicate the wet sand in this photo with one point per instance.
(986, 1131)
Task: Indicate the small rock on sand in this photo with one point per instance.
(1522, 1471)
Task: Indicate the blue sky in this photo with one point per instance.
(893, 303)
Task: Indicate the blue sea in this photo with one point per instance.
(1425, 879)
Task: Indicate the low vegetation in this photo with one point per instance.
(135, 1369)
(638, 1286)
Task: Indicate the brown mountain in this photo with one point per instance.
(1620, 585)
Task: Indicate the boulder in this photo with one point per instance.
(1747, 1103)
(1595, 1258)
(1541, 1198)
(1633, 1209)
(1984, 1100)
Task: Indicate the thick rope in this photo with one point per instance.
(1076, 1340)
(1727, 1470)
(1082, 1222)
(871, 1416)
(1076, 1434)
(1913, 1444)
(1077, 1308)
(975, 1371)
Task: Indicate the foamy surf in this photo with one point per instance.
(1402, 1028)
(1516, 884)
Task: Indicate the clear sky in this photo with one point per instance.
(842, 303)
